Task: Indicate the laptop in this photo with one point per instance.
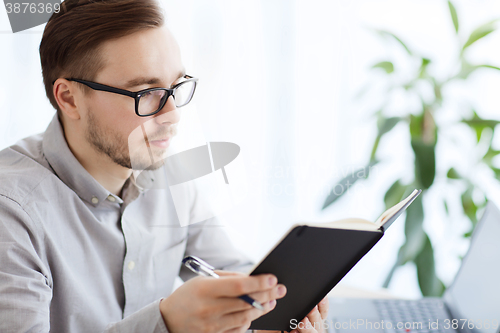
(470, 305)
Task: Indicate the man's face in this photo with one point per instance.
(147, 59)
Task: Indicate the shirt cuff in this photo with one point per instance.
(146, 320)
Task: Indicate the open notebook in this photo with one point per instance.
(311, 258)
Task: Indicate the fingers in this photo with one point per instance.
(323, 308)
(235, 304)
(235, 285)
(244, 318)
(275, 293)
(313, 322)
(232, 304)
(315, 319)
(307, 327)
(208, 304)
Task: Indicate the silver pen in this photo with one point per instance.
(202, 268)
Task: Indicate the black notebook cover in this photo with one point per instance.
(310, 261)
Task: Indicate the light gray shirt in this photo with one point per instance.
(76, 258)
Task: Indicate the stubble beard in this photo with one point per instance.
(116, 148)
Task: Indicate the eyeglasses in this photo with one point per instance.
(150, 101)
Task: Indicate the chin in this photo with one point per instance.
(156, 165)
(140, 164)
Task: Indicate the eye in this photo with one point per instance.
(153, 93)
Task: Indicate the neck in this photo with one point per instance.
(100, 166)
(109, 174)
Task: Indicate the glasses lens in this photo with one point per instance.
(150, 101)
(183, 93)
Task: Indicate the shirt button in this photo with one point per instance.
(95, 200)
(111, 198)
(131, 265)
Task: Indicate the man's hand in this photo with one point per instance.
(313, 322)
(205, 304)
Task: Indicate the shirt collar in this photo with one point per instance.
(69, 170)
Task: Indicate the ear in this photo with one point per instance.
(66, 94)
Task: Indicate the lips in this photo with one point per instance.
(161, 143)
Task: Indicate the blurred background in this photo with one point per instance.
(305, 89)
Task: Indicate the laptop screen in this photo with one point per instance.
(474, 295)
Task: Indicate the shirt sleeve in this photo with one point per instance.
(25, 283)
(148, 319)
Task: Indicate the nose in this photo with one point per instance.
(168, 114)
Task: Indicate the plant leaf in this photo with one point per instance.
(423, 68)
(425, 162)
(394, 194)
(488, 157)
(416, 125)
(467, 69)
(429, 134)
(453, 174)
(415, 237)
(496, 171)
(454, 17)
(414, 232)
(384, 125)
(489, 66)
(478, 124)
(387, 33)
(480, 32)
(469, 206)
(344, 185)
(387, 124)
(437, 91)
(393, 269)
(429, 283)
(387, 66)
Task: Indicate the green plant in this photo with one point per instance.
(425, 132)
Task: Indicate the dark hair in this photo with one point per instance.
(72, 38)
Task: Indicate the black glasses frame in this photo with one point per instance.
(137, 95)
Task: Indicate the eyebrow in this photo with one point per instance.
(151, 80)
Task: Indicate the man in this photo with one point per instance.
(83, 247)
